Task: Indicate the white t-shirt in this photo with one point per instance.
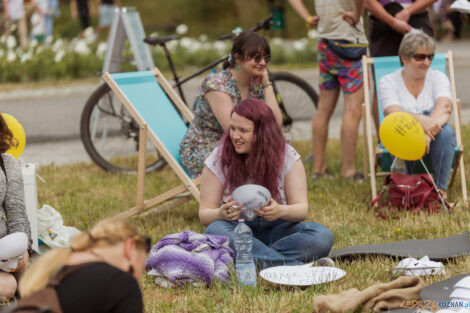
(290, 157)
(393, 91)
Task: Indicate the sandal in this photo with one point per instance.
(357, 177)
(326, 174)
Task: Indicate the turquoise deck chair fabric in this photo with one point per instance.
(386, 65)
(149, 99)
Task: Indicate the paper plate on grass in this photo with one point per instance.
(301, 275)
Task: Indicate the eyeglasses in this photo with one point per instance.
(421, 56)
(258, 57)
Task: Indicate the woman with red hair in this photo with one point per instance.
(253, 150)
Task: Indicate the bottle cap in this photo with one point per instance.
(241, 220)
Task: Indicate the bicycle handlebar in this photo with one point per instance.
(265, 24)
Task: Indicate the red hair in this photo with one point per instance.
(263, 164)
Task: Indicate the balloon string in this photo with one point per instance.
(435, 186)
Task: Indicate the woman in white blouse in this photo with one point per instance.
(425, 94)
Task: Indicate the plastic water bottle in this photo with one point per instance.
(244, 263)
(398, 166)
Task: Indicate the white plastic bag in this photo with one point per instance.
(51, 228)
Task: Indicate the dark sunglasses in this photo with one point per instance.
(258, 57)
(421, 56)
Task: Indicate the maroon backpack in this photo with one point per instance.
(409, 192)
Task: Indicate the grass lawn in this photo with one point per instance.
(84, 194)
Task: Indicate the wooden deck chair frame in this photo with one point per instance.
(175, 195)
(371, 159)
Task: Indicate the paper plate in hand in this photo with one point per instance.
(301, 275)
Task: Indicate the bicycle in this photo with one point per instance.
(111, 136)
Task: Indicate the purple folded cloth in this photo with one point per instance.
(189, 257)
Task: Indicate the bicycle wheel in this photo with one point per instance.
(297, 99)
(111, 136)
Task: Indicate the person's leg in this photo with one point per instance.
(23, 32)
(351, 80)
(8, 285)
(328, 97)
(442, 151)
(302, 241)
(326, 105)
(350, 131)
(262, 254)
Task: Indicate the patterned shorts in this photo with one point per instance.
(336, 71)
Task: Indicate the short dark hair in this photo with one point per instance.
(247, 44)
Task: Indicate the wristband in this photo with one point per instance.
(266, 85)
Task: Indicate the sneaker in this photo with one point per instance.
(461, 6)
(325, 262)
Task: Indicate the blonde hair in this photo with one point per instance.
(105, 233)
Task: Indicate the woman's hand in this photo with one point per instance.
(431, 128)
(428, 143)
(22, 264)
(262, 79)
(230, 211)
(351, 17)
(271, 212)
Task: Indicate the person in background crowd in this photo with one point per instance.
(15, 14)
(337, 20)
(14, 225)
(244, 76)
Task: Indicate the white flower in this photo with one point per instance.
(11, 56)
(3, 38)
(101, 50)
(171, 45)
(88, 32)
(33, 43)
(221, 46)
(186, 42)
(26, 57)
(312, 34)
(203, 38)
(2, 53)
(49, 40)
(40, 49)
(181, 29)
(277, 41)
(59, 56)
(299, 45)
(153, 34)
(11, 42)
(57, 45)
(195, 46)
(81, 47)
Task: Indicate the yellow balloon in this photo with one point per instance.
(403, 136)
(18, 133)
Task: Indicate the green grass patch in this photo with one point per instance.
(84, 194)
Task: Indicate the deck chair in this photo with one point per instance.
(151, 101)
(386, 65)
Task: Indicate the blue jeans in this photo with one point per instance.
(441, 153)
(280, 242)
